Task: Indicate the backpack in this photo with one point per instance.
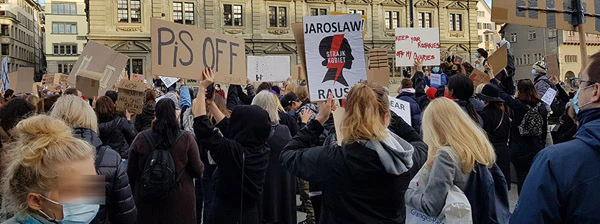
(488, 195)
(532, 122)
(159, 177)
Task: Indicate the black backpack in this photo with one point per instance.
(532, 122)
(159, 178)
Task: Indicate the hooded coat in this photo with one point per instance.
(120, 206)
(239, 142)
(360, 180)
(562, 185)
(415, 110)
(117, 132)
(143, 121)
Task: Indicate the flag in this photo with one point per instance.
(5, 81)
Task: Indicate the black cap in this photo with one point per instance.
(287, 99)
(491, 94)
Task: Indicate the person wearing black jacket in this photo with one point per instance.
(236, 96)
(361, 178)
(115, 131)
(143, 121)
(239, 148)
(120, 205)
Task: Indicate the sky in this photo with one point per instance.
(489, 2)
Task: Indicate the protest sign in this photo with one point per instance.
(401, 108)
(417, 43)
(549, 96)
(479, 77)
(131, 96)
(88, 82)
(21, 80)
(298, 72)
(499, 59)
(363, 17)
(552, 65)
(335, 58)
(183, 51)
(138, 77)
(168, 81)
(436, 79)
(268, 68)
(54, 78)
(338, 118)
(99, 59)
(380, 76)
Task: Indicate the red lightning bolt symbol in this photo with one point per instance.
(335, 47)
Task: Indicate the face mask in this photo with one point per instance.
(74, 212)
(533, 72)
(477, 55)
(436, 70)
(576, 106)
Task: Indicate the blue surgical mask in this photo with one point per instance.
(74, 212)
(533, 72)
(576, 106)
(436, 70)
(477, 55)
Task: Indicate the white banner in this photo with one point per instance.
(417, 43)
(268, 68)
(335, 57)
(401, 108)
(168, 81)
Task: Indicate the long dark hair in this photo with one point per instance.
(165, 128)
(527, 93)
(462, 89)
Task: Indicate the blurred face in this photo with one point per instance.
(295, 105)
(77, 181)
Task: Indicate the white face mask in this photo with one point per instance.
(74, 212)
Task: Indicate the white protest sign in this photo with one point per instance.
(168, 81)
(401, 108)
(436, 79)
(549, 96)
(417, 43)
(268, 68)
(335, 57)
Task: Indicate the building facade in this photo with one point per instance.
(20, 31)
(487, 35)
(67, 29)
(531, 44)
(124, 25)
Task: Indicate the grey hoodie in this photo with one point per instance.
(394, 153)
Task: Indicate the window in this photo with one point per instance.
(129, 11)
(455, 22)
(487, 38)
(64, 28)
(4, 30)
(480, 13)
(532, 35)
(65, 49)
(183, 13)
(480, 38)
(356, 11)
(392, 19)
(178, 12)
(487, 26)
(479, 26)
(425, 19)
(64, 8)
(277, 16)
(135, 66)
(571, 33)
(318, 11)
(65, 67)
(570, 58)
(232, 15)
(513, 37)
(551, 33)
(5, 48)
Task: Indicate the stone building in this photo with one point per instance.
(124, 25)
(66, 36)
(21, 29)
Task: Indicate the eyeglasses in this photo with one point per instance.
(576, 82)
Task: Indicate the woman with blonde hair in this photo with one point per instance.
(362, 178)
(45, 157)
(79, 115)
(456, 145)
(279, 192)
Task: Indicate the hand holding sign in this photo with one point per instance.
(305, 116)
(325, 109)
(419, 65)
(207, 77)
(490, 70)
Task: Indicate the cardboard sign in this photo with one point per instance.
(55, 78)
(99, 59)
(183, 51)
(417, 43)
(499, 59)
(380, 76)
(549, 96)
(298, 72)
(137, 77)
(131, 96)
(479, 77)
(22, 80)
(436, 79)
(168, 81)
(401, 108)
(507, 11)
(338, 118)
(335, 58)
(268, 68)
(88, 82)
(552, 65)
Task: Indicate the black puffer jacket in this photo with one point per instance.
(117, 132)
(120, 206)
(143, 121)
